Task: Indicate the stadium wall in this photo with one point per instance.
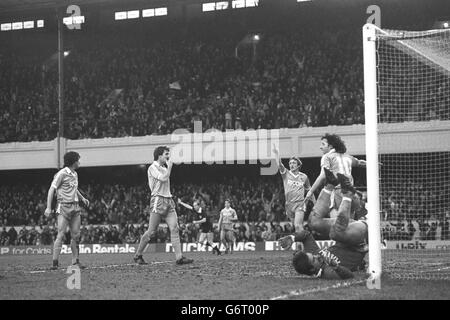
(195, 247)
(237, 145)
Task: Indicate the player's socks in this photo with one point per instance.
(78, 264)
(55, 265)
(57, 248)
(139, 260)
(75, 250)
(144, 240)
(343, 218)
(175, 239)
(322, 206)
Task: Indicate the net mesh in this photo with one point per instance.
(413, 84)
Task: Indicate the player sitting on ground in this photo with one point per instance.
(346, 255)
(206, 227)
(227, 217)
(296, 184)
(336, 160)
(65, 183)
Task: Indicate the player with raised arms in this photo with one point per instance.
(206, 226)
(296, 184)
(65, 184)
(162, 205)
(347, 254)
(337, 161)
(227, 217)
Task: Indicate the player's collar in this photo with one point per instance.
(68, 171)
(156, 163)
(295, 175)
(331, 151)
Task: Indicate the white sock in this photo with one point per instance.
(346, 199)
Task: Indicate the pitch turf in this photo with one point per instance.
(242, 275)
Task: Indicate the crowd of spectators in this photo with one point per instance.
(254, 201)
(302, 73)
(131, 233)
(119, 212)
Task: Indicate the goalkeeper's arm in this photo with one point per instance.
(336, 273)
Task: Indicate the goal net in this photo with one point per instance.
(411, 96)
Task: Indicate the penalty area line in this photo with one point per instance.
(301, 292)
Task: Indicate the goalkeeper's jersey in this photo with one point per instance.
(351, 257)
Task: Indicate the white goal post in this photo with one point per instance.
(407, 81)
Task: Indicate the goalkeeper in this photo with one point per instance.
(346, 255)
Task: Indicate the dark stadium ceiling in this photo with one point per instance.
(8, 6)
(28, 5)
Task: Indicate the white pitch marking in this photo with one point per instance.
(87, 268)
(318, 289)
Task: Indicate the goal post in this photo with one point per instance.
(371, 121)
(407, 85)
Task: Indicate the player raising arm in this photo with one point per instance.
(296, 184)
(162, 205)
(65, 184)
(227, 217)
(206, 227)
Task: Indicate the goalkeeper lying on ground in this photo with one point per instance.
(346, 255)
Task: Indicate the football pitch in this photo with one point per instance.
(242, 275)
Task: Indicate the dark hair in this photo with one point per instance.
(159, 151)
(299, 162)
(335, 141)
(70, 158)
(301, 264)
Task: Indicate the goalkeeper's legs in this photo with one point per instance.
(346, 230)
(319, 219)
(62, 226)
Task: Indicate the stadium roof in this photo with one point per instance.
(7, 6)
